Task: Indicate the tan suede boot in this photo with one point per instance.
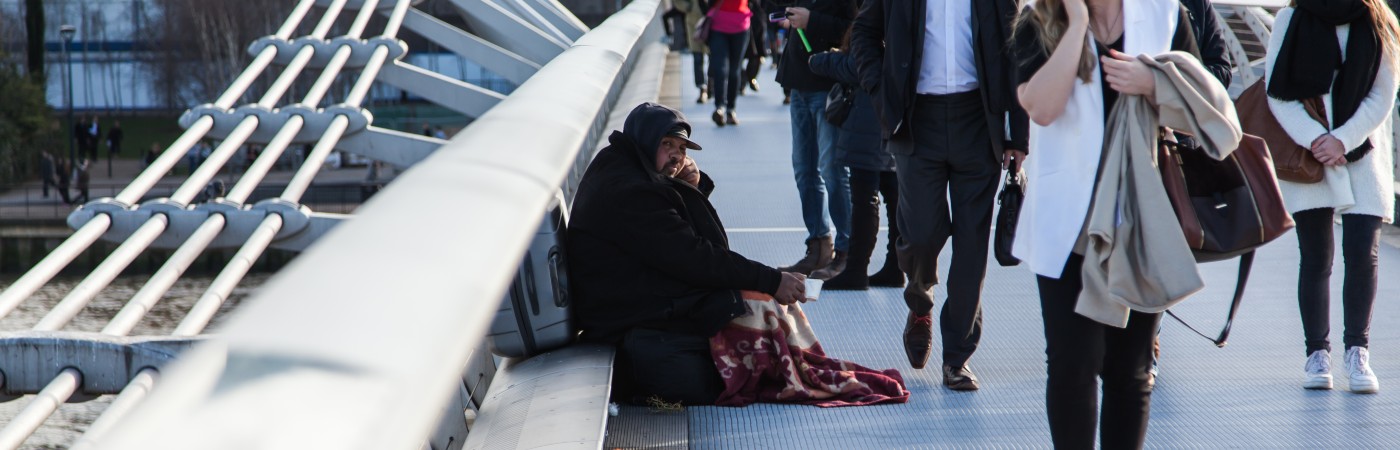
(819, 254)
(838, 265)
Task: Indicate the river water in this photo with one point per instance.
(72, 419)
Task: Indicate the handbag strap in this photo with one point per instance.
(1246, 262)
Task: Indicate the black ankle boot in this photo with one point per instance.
(851, 279)
(888, 276)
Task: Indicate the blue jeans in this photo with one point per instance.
(819, 177)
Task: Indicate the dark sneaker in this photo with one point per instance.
(959, 378)
(918, 339)
(718, 117)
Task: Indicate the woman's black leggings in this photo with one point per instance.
(1079, 352)
(726, 61)
(1360, 247)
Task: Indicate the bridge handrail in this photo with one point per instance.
(314, 361)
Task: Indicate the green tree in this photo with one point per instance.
(25, 125)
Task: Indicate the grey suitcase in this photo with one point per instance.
(534, 316)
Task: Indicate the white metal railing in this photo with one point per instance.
(316, 361)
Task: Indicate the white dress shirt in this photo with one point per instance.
(949, 66)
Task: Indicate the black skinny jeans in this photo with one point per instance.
(866, 188)
(726, 58)
(1078, 350)
(1360, 246)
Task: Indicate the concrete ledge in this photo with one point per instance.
(557, 399)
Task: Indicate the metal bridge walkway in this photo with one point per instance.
(1245, 395)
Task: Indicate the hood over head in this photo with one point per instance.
(647, 124)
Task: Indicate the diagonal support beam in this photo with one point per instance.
(561, 17)
(503, 27)
(465, 98)
(527, 12)
(508, 65)
(393, 147)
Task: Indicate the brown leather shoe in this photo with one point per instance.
(959, 379)
(818, 255)
(918, 339)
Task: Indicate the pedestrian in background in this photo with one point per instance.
(114, 139)
(1345, 53)
(860, 148)
(694, 10)
(151, 154)
(65, 177)
(1215, 56)
(46, 171)
(83, 177)
(823, 185)
(729, 40)
(94, 133)
(757, 47)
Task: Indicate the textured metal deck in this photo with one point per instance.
(1246, 395)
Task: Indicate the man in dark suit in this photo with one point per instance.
(941, 76)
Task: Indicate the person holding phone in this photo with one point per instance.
(1073, 62)
(942, 85)
(823, 184)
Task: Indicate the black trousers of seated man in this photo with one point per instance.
(667, 366)
(948, 179)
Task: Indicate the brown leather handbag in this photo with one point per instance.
(1292, 162)
(1226, 208)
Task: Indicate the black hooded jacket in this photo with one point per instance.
(648, 250)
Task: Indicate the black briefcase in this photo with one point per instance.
(1010, 198)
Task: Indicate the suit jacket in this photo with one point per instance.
(888, 43)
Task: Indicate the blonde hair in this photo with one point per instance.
(1050, 20)
(1386, 29)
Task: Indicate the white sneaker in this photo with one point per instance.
(1363, 380)
(1318, 371)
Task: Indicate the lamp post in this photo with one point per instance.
(67, 31)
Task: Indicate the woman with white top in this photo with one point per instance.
(1073, 65)
(1345, 52)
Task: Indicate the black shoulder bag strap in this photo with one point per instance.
(1246, 262)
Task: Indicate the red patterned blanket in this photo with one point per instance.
(772, 355)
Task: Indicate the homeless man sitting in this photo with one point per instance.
(652, 273)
